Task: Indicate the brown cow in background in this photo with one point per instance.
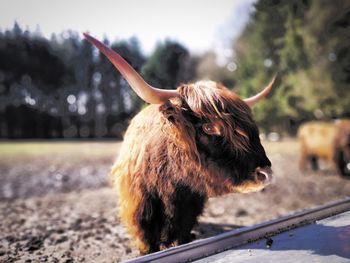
(190, 144)
(328, 141)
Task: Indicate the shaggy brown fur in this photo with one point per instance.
(174, 156)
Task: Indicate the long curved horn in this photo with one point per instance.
(262, 94)
(142, 88)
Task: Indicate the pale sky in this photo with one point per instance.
(198, 24)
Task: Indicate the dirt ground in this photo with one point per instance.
(56, 203)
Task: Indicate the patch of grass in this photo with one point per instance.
(289, 146)
(44, 148)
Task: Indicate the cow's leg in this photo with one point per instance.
(186, 207)
(143, 217)
(187, 218)
(340, 162)
(150, 219)
(314, 163)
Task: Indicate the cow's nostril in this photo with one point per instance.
(263, 177)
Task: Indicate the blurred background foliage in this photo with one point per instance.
(63, 88)
(308, 43)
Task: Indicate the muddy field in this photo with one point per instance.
(56, 203)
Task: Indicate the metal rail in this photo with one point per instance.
(209, 246)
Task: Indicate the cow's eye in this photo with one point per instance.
(211, 129)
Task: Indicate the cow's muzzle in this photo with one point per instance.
(263, 175)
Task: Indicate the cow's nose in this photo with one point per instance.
(263, 175)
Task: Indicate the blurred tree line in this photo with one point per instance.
(308, 43)
(63, 87)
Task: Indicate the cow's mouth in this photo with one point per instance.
(260, 178)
